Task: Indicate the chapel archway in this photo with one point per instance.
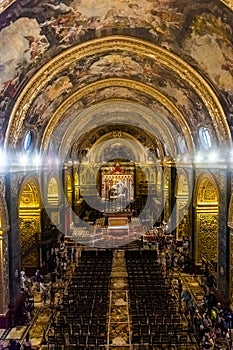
(182, 205)
(206, 220)
(30, 222)
(53, 200)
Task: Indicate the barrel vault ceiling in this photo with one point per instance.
(154, 71)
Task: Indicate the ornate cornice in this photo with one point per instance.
(110, 44)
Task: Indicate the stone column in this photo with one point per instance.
(12, 194)
(4, 276)
(223, 276)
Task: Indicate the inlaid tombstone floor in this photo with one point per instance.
(119, 327)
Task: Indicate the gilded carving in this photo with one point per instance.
(207, 235)
(207, 191)
(29, 193)
(28, 225)
(53, 191)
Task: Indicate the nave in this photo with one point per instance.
(115, 299)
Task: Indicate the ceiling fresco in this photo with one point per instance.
(124, 65)
(198, 33)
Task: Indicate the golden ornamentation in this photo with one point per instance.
(5, 4)
(29, 193)
(106, 45)
(55, 217)
(207, 193)
(4, 220)
(29, 218)
(207, 234)
(228, 3)
(207, 216)
(53, 191)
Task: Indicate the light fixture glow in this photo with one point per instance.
(23, 159)
(199, 158)
(3, 160)
(37, 160)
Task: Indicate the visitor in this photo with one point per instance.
(12, 345)
(207, 342)
(27, 345)
(52, 296)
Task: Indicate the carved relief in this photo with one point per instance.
(183, 187)
(29, 221)
(28, 226)
(207, 242)
(183, 221)
(53, 191)
(207, 218)
(207, 192)
(29, 194)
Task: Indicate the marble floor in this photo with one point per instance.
(119, 322)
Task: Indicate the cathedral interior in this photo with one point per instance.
(116, 122)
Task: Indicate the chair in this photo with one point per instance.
(60, 341)
(155, 339)
(179, 329)
(100, 340)
(173, 340)
(136, 339)
(82, 340)
(71, 347)
(170, 329)
(51, 342)
(73, 340)
(183, 340)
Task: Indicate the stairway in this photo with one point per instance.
(118, 324)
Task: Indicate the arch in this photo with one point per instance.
(29, 220)
(206, 218)
(183, 196)
(107, 148)
(53, 191)
(123, 44)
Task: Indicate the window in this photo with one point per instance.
(29, 141)
(181, 144)
(205, 138)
